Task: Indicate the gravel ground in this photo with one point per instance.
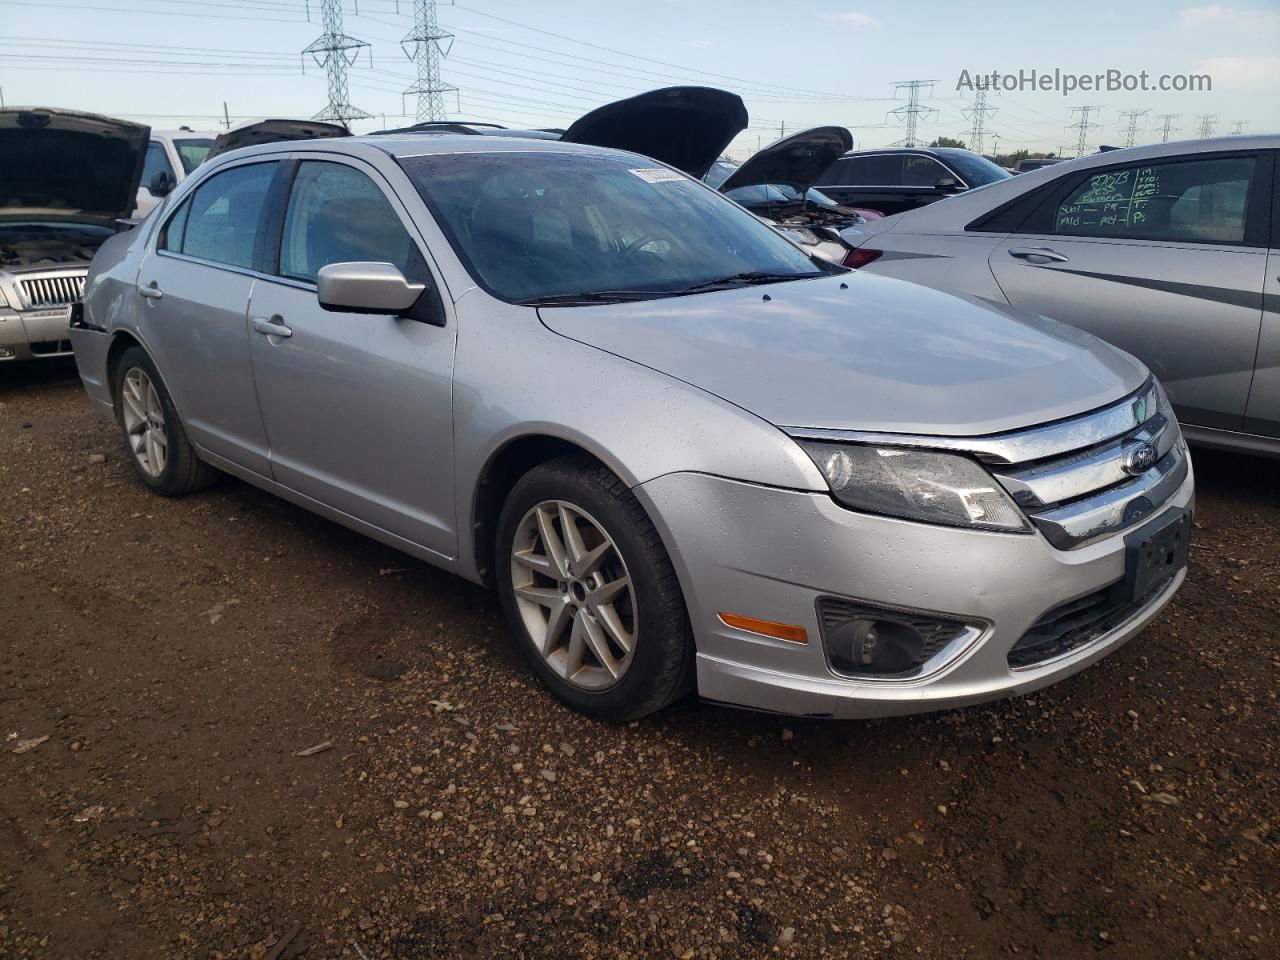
(163, 662)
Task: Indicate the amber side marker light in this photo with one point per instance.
(766, 628)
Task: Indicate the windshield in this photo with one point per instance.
(719, 173)
(976, 170)
(192, 151)
(759, 194)
(542, 225)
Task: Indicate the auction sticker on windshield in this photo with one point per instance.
(657, 174)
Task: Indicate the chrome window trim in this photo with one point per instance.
(1014, 447)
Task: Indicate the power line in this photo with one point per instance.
(977, 115)
(911, 112)
(1131, 131)
(425, 37)
(1083, 126)
(1208, 124)
(335, 51)
(1166, 125)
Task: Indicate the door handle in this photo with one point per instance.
(1038, 254)
(150, 291)
(272, 328)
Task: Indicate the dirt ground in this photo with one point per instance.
(163, 661)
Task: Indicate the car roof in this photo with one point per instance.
(400, 145)
(185, 134)
(953, 213)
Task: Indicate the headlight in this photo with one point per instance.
(920, 485)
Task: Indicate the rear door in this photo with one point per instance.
(194, 285)
(1164, 259)
(358, 408)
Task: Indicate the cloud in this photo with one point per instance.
(1197, 18)
(851, 19)
(1242, 73)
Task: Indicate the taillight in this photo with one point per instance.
(861, 257)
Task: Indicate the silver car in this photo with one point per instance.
(66, 178)
(686, 454)
(1171, 252)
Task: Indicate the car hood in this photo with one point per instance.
(685, 127)
(63, 164)
(864, 352)
(274, 131)
(795, 160)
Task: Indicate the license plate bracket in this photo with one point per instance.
(1156, 551)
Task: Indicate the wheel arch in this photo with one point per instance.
(505, 465)
(121, 341)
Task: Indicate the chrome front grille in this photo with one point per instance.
(1077, 496)
(57, 290)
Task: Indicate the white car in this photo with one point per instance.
(171, 156)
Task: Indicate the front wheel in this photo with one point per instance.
(161, 453)
(588, 587)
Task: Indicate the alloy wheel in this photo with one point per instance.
(144, 424)
(574, 594)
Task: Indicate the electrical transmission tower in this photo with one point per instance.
(335, 51)
(1238, 129)
(977, 116)
(1131, 131)
(1083, 126)
(422, 46)
(1166, 125)
(1208, 124)
(911, 112)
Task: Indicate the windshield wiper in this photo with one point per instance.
(591, 296)
(748, 279)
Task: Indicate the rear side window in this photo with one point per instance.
(219, 221)
(1196, 200)
(920, 171)
(336, 214)
(879, 170)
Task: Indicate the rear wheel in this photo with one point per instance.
(153, 433)
(588, 587)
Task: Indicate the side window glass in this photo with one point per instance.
(336, 214)
(156, 162)
(222, 222)
(921, 171)
(880, 170)
(1195, 200)
(172, 234)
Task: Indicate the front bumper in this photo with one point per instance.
(34, 334)
(768, 553)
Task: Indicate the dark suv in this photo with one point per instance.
(897, 179)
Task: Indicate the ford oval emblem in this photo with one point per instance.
(1139, 458)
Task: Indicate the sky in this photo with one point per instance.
(796, 64)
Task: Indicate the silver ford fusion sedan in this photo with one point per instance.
(686, 454)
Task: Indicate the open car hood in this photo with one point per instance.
(686, 127)
(795, 160)
(274, 131)
(69, 165)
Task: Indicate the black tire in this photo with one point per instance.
(184, 471)
(661, 669)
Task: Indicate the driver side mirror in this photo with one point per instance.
(948, 185)
(161, 184)
(366, 287)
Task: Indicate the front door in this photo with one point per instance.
(358, 408)
(194, 289)
(1160, 260)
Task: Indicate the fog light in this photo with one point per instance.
(8, 353)
(863, 640)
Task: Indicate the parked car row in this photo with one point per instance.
(690, 447)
